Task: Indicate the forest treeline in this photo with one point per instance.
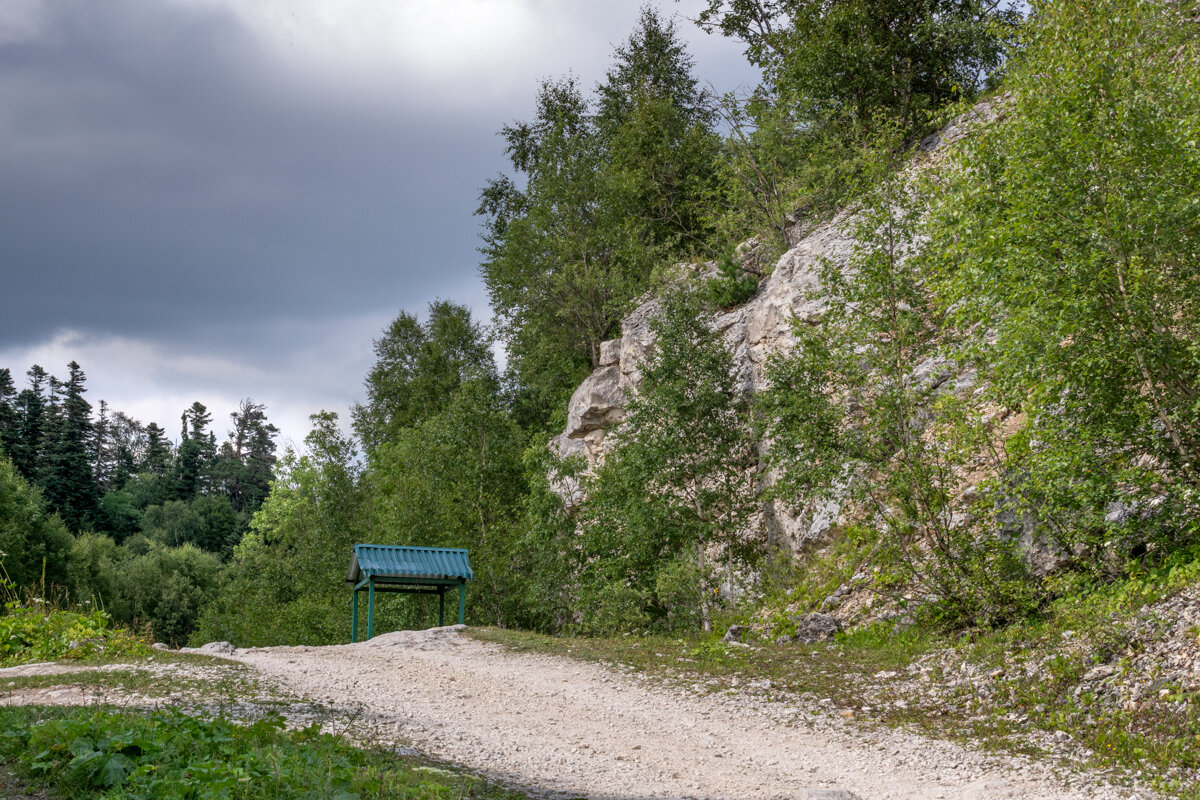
(110, 511)
(1050, 256)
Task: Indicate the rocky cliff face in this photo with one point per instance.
(790, 294)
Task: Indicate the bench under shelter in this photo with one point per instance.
(412, 570)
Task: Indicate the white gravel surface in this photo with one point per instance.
(578, 729)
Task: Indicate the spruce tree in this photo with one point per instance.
(197, 447)
(67, 476)
(157, 456)
(30, 408)
(9, 422)
(244, 466)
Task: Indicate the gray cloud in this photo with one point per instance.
(174, 188)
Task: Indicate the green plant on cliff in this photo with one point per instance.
(677, 486)
(857, 411)
(1067, 237)
(846, 86)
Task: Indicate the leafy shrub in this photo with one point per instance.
(171, 756)
(732, 286)
(34, 543)
(1066, 239)
(614, 608)
(165, 587)
(680, 591)
(33, 632)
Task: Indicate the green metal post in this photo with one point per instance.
(441, 608)
(354, 617)
(462, 602)
(371, 608)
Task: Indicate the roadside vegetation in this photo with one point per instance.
(1002, 396)
(85, 753)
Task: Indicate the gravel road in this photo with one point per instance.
(575, 729)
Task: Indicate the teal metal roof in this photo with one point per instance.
(394, 562)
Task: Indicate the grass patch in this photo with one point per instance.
(834, 672)
(85, 753)
(216, 683)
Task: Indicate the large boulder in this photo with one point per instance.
(816, 627)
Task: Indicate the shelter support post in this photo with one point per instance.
(354, 616)
(462, 602)
(441, 608)
(370, 608)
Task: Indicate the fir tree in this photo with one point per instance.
(67, 476)
(157, 456)
(9, 421)
(31, 410)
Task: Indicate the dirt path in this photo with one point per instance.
(579, 729)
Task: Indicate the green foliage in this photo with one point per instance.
(681, 590)
(34, 543)
(65, 473)
(778, 173)
(546, 541)
(857, 58)
(36, 631)
(119, 514)
(208, 522)
(102, 473)
(851, 417)
(455, 480)
(418, 365)
(1069, 234)
(615, 607)
(168, 755)
(846, 86)
(243, 467)
(197, 449)
(285, 584)
(95, 563)
(30, 409)
(164, 589)
(9, 421)
(605, 191)
(680, 478)
(793, 583)
(732, 286)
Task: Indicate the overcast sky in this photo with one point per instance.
(216, 199)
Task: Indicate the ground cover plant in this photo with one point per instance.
(36, 630)
(83, 753)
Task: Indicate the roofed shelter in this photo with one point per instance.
(413, 570)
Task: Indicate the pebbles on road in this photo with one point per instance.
(579, 729)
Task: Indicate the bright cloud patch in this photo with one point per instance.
(471, 47)
(153, 382)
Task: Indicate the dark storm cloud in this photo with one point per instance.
(159, 176)
(213, 199)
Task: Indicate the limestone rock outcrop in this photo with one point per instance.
(752, 331)
(764, 325)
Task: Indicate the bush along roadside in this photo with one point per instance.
(35, 630)
(168, 755)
